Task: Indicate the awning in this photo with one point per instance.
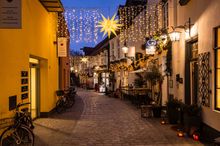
(52, 5)
(139, 70)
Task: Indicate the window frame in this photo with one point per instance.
(165, 11)
(216, 49)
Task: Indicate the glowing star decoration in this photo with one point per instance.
(84, 59)
(109, 25)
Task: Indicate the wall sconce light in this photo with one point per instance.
(125, 49)
(175, 35)
(179, 79)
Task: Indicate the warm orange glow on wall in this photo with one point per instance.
(218, 98)
(218, 71)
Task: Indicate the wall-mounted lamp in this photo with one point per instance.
(125, 49)
(175, 35)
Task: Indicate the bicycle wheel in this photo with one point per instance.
(60, 106)
(21, 135)
(69, 102)
(27, 120)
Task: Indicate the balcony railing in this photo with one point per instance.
(52, 5)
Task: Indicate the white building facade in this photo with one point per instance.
(196, 55)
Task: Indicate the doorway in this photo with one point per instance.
(34, 87)
(194, 81)
(191, 73)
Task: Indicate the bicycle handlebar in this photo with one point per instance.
(22, 104)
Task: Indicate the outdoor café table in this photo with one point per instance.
(127, 93)
(138, 96)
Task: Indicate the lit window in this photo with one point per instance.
(165, 15)
(217, 69)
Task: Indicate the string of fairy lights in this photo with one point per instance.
(82, 24)
(138, 22)
(62, 26)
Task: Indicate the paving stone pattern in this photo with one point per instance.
(97, 120)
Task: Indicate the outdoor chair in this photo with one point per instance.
(146, 111)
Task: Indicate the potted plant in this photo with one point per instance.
(173, 110)
(154, 76)
(156, 108)
(192, 118)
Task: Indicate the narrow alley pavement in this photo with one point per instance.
(97, 120)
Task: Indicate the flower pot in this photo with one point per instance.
(173, 115)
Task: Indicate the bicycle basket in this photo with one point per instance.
(25, 110)
(6, 122)
(60, 92)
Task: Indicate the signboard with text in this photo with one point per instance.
(62, 47)
(10, 14)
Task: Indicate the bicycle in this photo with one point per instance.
(71, 93)
(65, 101)
(20, 133)
(23, 115)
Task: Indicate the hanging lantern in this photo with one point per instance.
(174, 36)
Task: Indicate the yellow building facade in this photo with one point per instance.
(29, 62)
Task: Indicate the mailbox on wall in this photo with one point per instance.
(12, 102)
(179, 79)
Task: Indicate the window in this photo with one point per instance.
(119, 49)
(165, 15)
(112, 51)
(217, 68)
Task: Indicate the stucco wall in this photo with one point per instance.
(205, 17)
(36, 39)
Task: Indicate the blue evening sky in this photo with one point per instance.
(109, 7)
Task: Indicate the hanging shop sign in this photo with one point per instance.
(62, 47)
(151, 42)
(10, 14)
(151, 46)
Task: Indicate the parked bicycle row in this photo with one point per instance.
(20, 131)
(66, 99)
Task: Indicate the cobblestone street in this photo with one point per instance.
(97, 120)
